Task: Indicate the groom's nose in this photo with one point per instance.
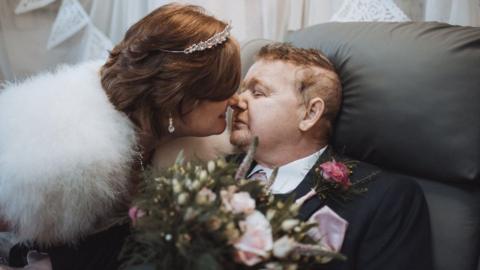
(238, 102)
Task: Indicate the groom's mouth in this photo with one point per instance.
(239, 124)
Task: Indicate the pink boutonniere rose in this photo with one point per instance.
(333, 179)
(336, 172)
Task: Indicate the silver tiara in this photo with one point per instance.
(215, 40)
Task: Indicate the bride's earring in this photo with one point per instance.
(171, 128)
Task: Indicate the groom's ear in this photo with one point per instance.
(313, 112)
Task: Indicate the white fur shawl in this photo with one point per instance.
(65, 155)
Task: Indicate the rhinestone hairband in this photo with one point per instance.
(215, 40)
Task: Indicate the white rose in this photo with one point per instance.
(288, 224)
(211, 166)
(202, 175)
(182, 198)
(177, 188)
(283, 246)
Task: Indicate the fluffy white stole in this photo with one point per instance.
(65, 155)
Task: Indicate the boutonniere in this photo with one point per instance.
(332, 180)
(336, 173)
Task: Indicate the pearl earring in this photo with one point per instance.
(171, 128)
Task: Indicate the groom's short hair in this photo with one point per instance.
(325, 84)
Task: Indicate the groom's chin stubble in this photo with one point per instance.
(240, 138)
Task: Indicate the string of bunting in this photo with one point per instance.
(71, 18)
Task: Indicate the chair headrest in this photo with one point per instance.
(411, 95)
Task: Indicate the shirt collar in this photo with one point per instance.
(290, 175)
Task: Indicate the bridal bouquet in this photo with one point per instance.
(198, 215)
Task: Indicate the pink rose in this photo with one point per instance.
(135, 213)
(256, 242)
(336, 172)
(240, 202)
(330, 229)
(247, 258)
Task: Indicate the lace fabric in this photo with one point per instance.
(369, 10)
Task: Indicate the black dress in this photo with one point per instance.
(99, 251)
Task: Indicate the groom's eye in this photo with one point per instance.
(258, 93)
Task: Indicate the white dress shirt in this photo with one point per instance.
(290, 175)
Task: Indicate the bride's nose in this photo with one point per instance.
(232, 101)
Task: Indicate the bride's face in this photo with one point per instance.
(207, 118)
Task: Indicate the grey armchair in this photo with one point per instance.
(412, 106)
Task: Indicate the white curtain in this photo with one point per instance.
(250, 18)
(23, 37)
(23, 41)
(459, 12)
(114, 17)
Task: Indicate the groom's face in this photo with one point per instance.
(269, 106)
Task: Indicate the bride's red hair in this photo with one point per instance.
(148, 83)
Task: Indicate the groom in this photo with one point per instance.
(289, 99)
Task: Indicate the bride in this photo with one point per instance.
(74, 141)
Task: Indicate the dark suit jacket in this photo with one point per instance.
(389, 225)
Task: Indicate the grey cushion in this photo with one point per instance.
(420, 80)
(248, 51)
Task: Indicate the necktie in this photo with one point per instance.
(259, 175)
